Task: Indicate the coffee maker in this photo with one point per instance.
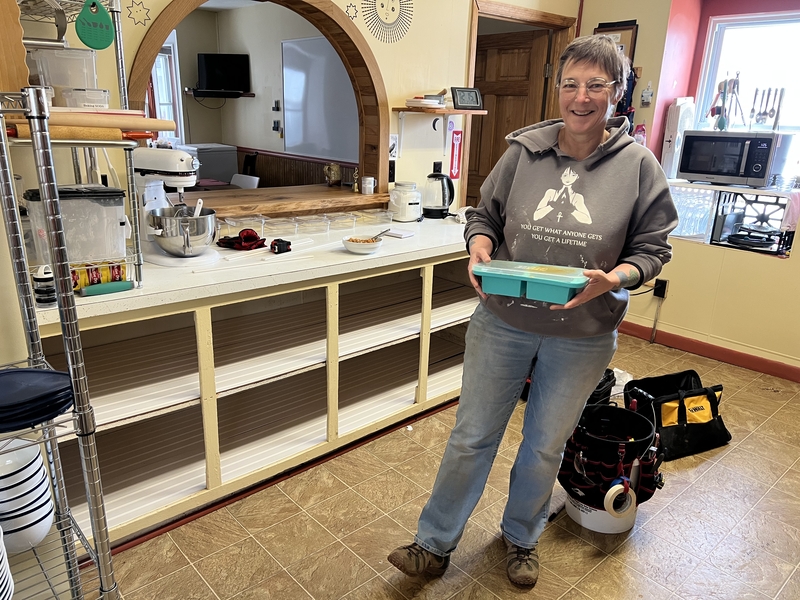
(438, 195)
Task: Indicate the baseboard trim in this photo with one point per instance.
(734, 357)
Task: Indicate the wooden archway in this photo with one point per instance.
(344, 36)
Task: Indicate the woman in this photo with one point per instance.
(577, 192)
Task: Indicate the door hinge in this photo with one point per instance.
(548, 71)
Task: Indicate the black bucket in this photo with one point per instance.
(604, 428)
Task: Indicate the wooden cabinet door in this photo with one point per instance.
(511, 72)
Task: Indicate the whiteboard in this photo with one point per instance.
(319, 106)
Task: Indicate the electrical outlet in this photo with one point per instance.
(660, 288)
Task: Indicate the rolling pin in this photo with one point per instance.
(100, 120)
(59, 132)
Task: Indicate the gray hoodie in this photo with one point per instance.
(539, 205)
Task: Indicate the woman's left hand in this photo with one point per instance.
(600, 282)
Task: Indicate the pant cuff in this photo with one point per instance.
(517, 542)
(430, 548)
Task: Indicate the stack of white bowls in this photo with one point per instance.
(6, 583)
(26, 506)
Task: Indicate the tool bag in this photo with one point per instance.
(611, 447)
(684, 412)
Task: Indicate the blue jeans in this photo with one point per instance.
(497, 360)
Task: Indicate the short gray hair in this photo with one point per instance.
(598, 50)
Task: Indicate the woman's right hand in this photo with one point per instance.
(480, 251)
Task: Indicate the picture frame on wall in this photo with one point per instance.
(623, 34)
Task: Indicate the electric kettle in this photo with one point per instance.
(439, 194)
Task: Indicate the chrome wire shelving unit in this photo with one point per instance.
(54, 569)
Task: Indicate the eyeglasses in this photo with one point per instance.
(594, 87)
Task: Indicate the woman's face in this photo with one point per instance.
(585, 113)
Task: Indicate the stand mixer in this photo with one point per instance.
(153, 169)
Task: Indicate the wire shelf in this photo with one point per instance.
(41, 11)
(42, 572)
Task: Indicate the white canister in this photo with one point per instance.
(367, 185)
(405, 202)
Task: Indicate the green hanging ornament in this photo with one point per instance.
(94, 26)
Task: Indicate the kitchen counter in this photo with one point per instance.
(211, 379)
(323, 257)
(282, 201)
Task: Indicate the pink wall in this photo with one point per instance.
(683, 51)
(682, 35)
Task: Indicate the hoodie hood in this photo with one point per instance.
(543, 136)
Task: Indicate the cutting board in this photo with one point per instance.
(13, 70)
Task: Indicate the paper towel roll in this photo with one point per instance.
(627, 506)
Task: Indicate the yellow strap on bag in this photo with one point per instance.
(698, 409)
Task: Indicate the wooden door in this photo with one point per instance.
(511, 72)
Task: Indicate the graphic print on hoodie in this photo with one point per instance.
(565, 203)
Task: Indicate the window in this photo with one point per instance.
(164, 99)
(759, 48)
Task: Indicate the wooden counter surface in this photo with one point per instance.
(282, 201)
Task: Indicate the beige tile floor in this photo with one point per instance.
(725, 527)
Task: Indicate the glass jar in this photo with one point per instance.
(405, 202)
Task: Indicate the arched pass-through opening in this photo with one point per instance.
(344, 36)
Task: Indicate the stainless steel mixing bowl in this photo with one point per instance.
(183, 236)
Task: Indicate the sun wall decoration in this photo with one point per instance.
(387, 20)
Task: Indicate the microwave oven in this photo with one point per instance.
(733, 157)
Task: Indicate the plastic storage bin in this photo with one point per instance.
(85, 98)
(374, 215)
(547, 283)
(282, 226)
(341, 220)
(94, 221)
(313, 224)
(233, 225)
(66, 68)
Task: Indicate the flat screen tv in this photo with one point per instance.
(224, 72)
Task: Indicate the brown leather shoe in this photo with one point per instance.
(522, 565)
(415, 560)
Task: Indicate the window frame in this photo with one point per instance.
(170, 49)
(706, 89)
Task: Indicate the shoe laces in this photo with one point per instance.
(523, 554)
(416, 549)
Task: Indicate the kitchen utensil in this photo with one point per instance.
(753, 110)
(94, 26)
(762, 116)
(778, 112)
(722, 123)
(197, 208)
(382, 232)
(123, 122)
(771, 112)
(438, 194)
(761, 107)
(183, 236)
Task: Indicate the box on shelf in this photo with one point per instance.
(547, 283)
(85, 98)
(95, 225)
(217, 161)
(65, 68)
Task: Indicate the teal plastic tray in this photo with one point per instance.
(547, 283)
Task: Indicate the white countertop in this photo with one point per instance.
(324, 256)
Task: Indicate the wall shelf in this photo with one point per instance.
(402, 111)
